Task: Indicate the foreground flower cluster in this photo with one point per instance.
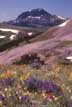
(22, 88)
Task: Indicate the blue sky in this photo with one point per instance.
(10, 9)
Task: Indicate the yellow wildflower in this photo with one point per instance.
(2, 75)
(28, 75)
(9, 73)
(1, 103)
(22, 77)
(71, 97)
(63, 86)
(24, 65)
(70, 76)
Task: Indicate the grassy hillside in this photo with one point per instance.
(46, 35)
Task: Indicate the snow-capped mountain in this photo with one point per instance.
(37, 18)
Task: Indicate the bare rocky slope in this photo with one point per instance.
(51, 46)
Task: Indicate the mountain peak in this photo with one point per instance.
(40, 11)
(34, 13)
(37, 18)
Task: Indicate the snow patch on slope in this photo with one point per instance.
(2, 37)
(69, 58)
(34, 17)
(9, 30)
(30, 34)
(60, 17)
(64, 24)
(12, 37)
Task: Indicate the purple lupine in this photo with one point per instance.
(34, 84)
(25, 99)
(31, 83)
(1, 82)
(57, 89)
(47, 86)
(29, 80)
(7, 81)
(50, 87)
(39, 84)
(1, 98)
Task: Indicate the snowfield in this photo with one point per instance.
(60, 17)
(9, 30)
(64, 24)
(69, 58)
(12, 37)
(1, 37)
(30, 34)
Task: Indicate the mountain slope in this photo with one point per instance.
(58, 32)
(59, 45)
